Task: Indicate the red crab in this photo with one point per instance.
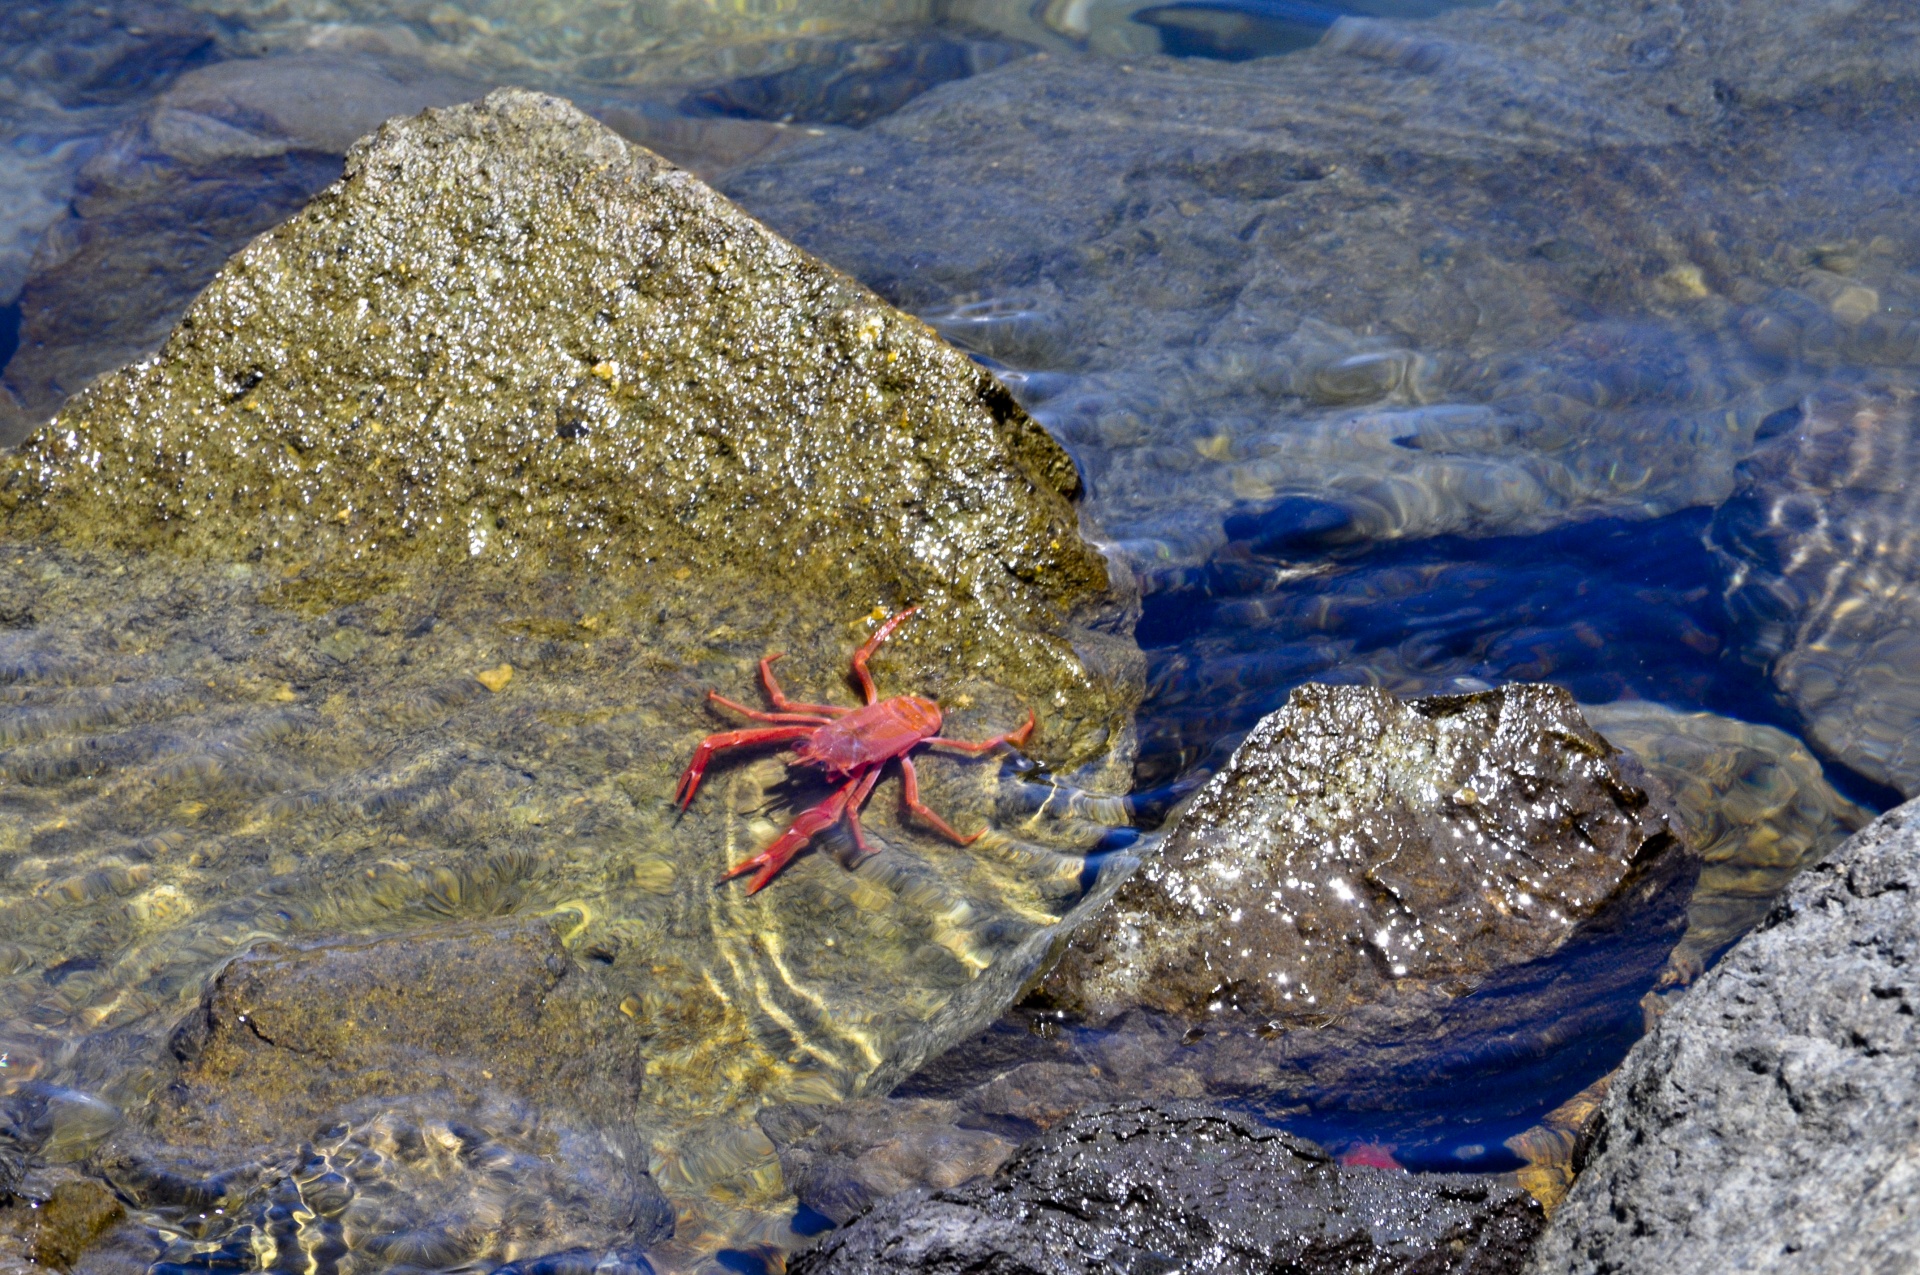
(852, 745)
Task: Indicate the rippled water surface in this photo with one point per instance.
(1423, 345)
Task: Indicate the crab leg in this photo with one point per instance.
(853, 811)
(871, 645)
(805, 827)
(812, 719)
(912, 782)
(779, 697)
(690, 778)
(1014, 737)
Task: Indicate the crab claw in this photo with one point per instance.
(806, 826)
(767, 864)
(1019, 737)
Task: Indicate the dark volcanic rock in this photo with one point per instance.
(1822, 564)
(1359, 846)
(1186, 1187)
(1769, 1122)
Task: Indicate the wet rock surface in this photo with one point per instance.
(1769, 1121)
(1818, 549)
(1427, 1074)
(1359, 846)
(1189, 1187)
(384, 601)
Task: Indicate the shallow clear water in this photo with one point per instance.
(1508, 344)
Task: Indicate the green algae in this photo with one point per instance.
(384, 600)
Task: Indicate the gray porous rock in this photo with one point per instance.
(1359, 846)
(1771, 1121)
(1186, 1187)
(1822, 562)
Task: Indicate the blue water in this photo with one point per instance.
(1610, 609)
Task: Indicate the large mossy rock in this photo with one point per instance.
(384, 600)
(507, 335)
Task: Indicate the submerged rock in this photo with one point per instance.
(1754, 803)
(398, 1065)
(386, 597)
(1486, 273)
(1359, 846)
(1821, 561)
(841, 1160)
(1186, 1186)
(1769, 1121)
(68, 74)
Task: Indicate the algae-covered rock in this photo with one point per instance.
(386, 598)
(1359, 845)
(1820, 557)
(562, 359)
